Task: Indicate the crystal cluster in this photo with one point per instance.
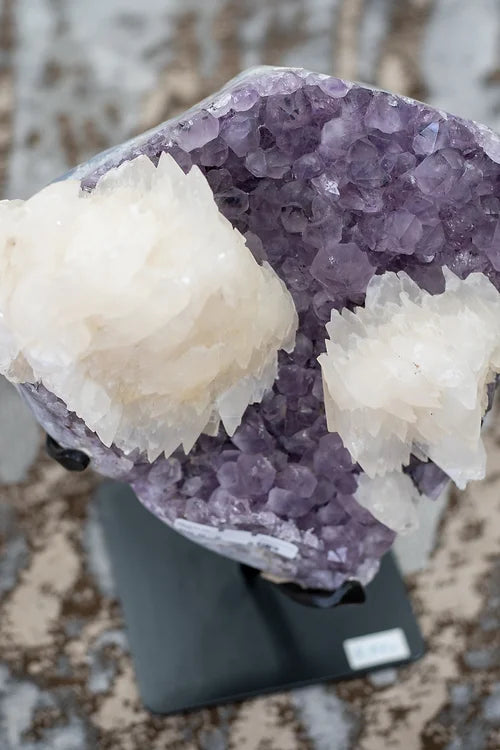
(428, 360)
(392, 499)
(145, 313)
(331, 183)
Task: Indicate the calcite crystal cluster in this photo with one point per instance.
(146, 313)
(429, 360)
(340, 189)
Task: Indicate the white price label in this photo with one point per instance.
(375, 649)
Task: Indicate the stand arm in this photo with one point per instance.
(351, 592)
(69, 458)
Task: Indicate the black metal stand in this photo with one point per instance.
(201, 632)
(69, 458)
(351, 592)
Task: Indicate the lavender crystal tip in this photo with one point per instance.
(296, 334)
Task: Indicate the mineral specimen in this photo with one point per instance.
(332, 184)
(429, 359)
(146, 313)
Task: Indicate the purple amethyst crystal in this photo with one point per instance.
(331, 182)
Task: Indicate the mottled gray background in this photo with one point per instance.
(78, 76)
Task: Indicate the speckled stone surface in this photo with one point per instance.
(66, 679)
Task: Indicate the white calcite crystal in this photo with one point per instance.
(408, 373)
(392, 499)
(139, 306)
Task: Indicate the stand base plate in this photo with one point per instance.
(200, 633)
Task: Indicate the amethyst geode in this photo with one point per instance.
(331, 182)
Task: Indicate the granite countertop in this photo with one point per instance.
(75, 78)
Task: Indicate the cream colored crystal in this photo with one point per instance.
(391, 499)
(408, 373)
(139, 306)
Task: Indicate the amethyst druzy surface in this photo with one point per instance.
(330, 182)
